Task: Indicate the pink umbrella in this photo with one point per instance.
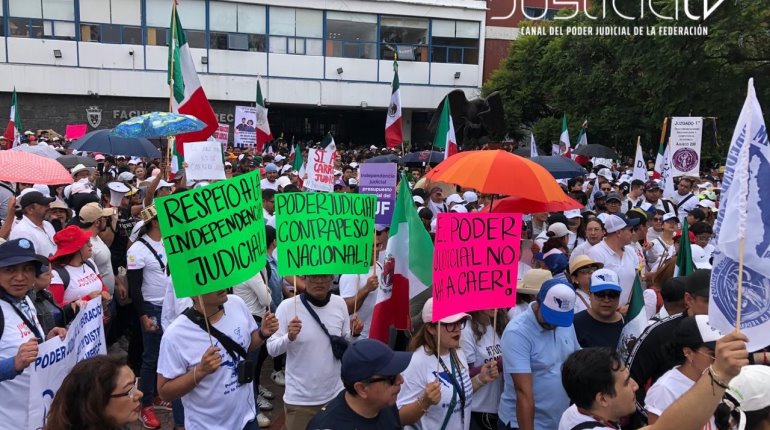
(17, 166)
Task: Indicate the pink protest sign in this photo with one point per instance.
(75, 131)
(475, 262)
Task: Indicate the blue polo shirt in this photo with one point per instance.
(528, 348)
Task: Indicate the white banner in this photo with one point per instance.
(204, 161)
(685, 143)
(320, 170)
(56, 357)
(245, 133)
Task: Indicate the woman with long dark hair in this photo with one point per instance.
(100, 393)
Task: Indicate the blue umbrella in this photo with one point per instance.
(560, 167)
(103, 141)
(158, 124)
(423, 157)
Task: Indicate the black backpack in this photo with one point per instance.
(64, 275)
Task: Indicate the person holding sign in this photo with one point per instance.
(21, 331)
(210, 371)
(313, 328)
(438, 388)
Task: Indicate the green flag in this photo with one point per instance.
(297, 163)
(637, 320)
(684, 265)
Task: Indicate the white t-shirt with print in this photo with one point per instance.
(666, 390)
(478, 352)
(154, 278)
(421, 371)
(211, 404)
(349, 286)
(83, 281)
(572, 417)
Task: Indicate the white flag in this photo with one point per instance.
(532, 146)
(745, 201)
(666, 174)
(640, 168)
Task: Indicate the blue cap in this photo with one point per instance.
(557, 302)
(19, 251)
(370, 357)
(556, 263)
(604, 280)
(271, 168)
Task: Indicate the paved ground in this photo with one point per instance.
(276, 415)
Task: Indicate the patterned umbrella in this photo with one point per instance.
(16, 166)
(158, 124)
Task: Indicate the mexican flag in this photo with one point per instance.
(263, 127)
(291, 154)
(328, 143)
(582, 140)
(394, 132)
(408, 267)
(296, 158)
(564, 138)
(445, 132)
(13, 131)
(637, 320)
(188, 95)
(684, 265)
(660, 160)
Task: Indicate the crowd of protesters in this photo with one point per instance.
(550, 362)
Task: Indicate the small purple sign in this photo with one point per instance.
(380, 179)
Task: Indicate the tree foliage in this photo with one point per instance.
(625, 85)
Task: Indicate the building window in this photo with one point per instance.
(351, 35)
(405, 36)
(50, 19)
(192, 13)
(238, 27)
(455, 42)
(296, 31)
(111, 33)
(539, 13)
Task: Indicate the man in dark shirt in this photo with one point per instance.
(371, 373)
(601, 324)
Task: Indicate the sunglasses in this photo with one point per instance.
(607, 295)
(391, 380)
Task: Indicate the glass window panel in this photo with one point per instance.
(64, 30)
(25, 8)
(129, 12)
(314, 47)
(251, 19)
(238, 42)
(36, 28)
(397, 21)
(455, 55)
(351, 17)
(257, 42)
(132, 35)
(223, 16)
(217, 40)
(310, 23)
(94, 10)
(192, 13)
(404, 30)
(296, 46)
(358, 29)
(443, 28)
(159, 13)
(111, 33)
(59, 9)
(18, 27)
(48, 28)
(471, 56)
(468, 29)
(89, 32)
(277, 44)
(195, 38)
(157, 36)
(281, 21)
(438, 54)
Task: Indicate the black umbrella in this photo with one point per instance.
(418, 158)
(524, 151)
(596, 150)
(70, 161)
(387, 158)
(560, 167)
(102, 141)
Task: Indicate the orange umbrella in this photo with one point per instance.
(527, 206)
(498, 172)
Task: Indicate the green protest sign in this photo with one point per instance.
(324, 233)
(215, 235)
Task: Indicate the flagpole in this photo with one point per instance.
(205, 318)
(740, 284)
(170, 140)
(438, 347)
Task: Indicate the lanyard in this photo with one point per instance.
(25, 318)
(456, 386)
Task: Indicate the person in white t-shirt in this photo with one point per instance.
(33, 225)
(147, 279)
(693, 346)
(663, 247)
(206, 377)
(480, 342)
(438, 389)
(75, 276)
(271, 174)
(303, 340)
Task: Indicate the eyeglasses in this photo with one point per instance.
(455, 326)
(130, 393)
(656, 219)
(711, 356)
(607, 295)
(586, 270)
(391, 380)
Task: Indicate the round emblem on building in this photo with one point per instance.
(685, 159)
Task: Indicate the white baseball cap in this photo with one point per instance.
(670, 216)
(283, 181)
(558, 229)
(748, 392)
(604, 280)
(606, 173)
(418, 199)
(461, 209)
(699, 257)
(573, 213)
(454, 198)
(708, 204)
(614, 222)
(470, 197)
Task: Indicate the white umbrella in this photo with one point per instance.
(40, 149)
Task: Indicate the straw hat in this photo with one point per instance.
(532, 281)
(582, 261)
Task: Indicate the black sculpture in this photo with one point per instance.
(476, 121)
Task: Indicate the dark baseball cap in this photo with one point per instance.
(614, 196)
(651, 185)
(698, 282)
(697, 213)
(370, 357)
(33, 197)
(20, 251)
